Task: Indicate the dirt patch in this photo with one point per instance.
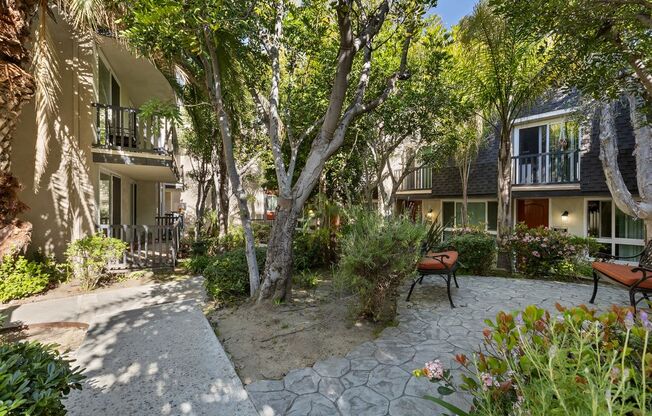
(265, 342)
(67, 335)
(116, 281)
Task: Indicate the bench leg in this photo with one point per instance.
(595, 286)
(418, 279)
(448, 290)
(455, 279)
(632, 299)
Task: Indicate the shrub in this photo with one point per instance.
(20, 277)
(34, 379)
(575, 363)
(197, 264)
(227, 277)
(10, 205)
(377, 256)
(312, 249)
(262, 232)
(89, 257)
(544, 252)
(477, 250)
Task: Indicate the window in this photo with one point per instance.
(483, 214)
(620, 234)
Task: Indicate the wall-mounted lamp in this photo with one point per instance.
(430, 214)
(564, 217)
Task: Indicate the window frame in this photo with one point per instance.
(613, 240)
(459, 200)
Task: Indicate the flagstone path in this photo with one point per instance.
(375, 378)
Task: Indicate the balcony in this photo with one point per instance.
(552, 168)
(123, 136)
(420, 179)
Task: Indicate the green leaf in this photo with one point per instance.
(451, 407)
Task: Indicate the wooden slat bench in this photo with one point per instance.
(638, 279)
(444, 264)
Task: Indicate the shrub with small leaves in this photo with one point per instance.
(227, 276)
(90, 257)
(477, 250)
(378, 254)
(20, 277)
(34, 379)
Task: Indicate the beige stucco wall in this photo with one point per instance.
(55, 166)
(575, 208)
(147, 202)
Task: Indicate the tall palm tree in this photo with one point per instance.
(17, 84)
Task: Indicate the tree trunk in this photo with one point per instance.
(223, 194)
(609, 156)
(278, 266)
(16, 84)
(504, 197)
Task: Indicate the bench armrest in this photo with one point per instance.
(605, 256)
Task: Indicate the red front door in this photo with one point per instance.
(532, 212)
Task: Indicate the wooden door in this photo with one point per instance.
(532, 212)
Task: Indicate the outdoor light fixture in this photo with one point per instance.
(564, 217)
(430, 214)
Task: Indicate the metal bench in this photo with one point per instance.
(636, 279)
(444, 264)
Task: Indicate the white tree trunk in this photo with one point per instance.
(643, 152)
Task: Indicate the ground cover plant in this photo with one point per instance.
(574, 362)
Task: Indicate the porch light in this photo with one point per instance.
(430, 214)
(564, 217)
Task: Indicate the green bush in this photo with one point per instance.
(89, 257)
(227, 276)
(377, 256)
(197, 264)
(262, 232)
(34, 379)
(20, 277)
(477, 251)
(575, 363)
(312, 249)
(547, 252)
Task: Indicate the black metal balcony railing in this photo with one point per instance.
(546, 168)
(123, 127)
(420, 179)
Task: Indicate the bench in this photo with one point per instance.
(638, 279)
(444, 264)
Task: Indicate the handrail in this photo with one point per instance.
(560, 167)
(124, 127)
(147, 245)
(419, 179)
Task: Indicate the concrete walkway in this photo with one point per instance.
(149, 350)
(375, 378)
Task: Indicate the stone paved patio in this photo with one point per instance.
(375, 378)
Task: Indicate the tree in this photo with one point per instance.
(470, 138)
(607, 49)
(206, 41)
(506, 68)
(406, 126)
(17, 83)
(336, 104)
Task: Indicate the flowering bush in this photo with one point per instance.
(544, 251)
(576, 363)
(91, 256)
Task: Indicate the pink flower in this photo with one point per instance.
(487, 381)
(434, 370)
(536, 254)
